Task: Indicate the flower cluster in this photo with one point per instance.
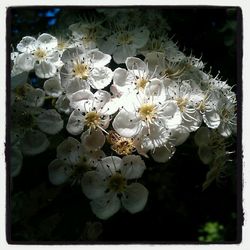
(129, 87)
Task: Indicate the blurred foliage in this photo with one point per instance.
(177, 207)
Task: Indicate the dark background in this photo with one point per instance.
(177, 207)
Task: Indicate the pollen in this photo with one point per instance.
(81, 70)
(117, 183)
(181, 103)
(125, 38)
(147, 112)
(141, 83)
(40, 54)
(92, 119)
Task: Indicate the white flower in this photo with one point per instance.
(125, 43)
(134, 79)
(147, 111)
(92, 111)
(228, 118)
(38, 54)
(186, 99)
(86, 66)
(108, 186)
(72, 162)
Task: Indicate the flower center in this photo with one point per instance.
(147, 112)
(124, 38)
(117, 183)
(81, 70)
(141, 83)
(62, 45)
(40, 54)
(181, 103)
(121, 145)
(92, 119)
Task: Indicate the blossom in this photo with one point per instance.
(73, 160)
(109, 186)
(86, 66)
(125, 43)
(38, 54)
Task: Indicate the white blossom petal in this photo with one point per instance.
(98, 58)
(69, 151)
(136, 65)
(75, 123)
(100, 77)
(53, 87)
(27, 44)
(140, 37)
(155, 90)
(47, 41)
(75, 85)
(25, 62)
(126, 124)
(133, 167)
(135, 198)
(45, 69)
(164, 153)
(35, 97)
(50, 121)
(212, 119)
(82, 100)
(59, 172)
(93, 185)
(63, 104)
(106, 206)
(93, 139)
(34, 142)
(123, 52)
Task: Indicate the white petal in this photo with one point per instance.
(155, 90)
(163, 154)
(35, 97)
(123, 52)
(135, 198)
(25, 62)
(53, 87)
(100, 77)
(47, 41)
(212, 119)
(50, 122)
(72, 53)
(75, 85)
(106, 206)
(170, 115)
(101, 97)
(99, 59)
(62, 104)
(45, 69)
(75, 123)
(34, 142)
(109, 165)
(179, 135)
(93, 185)
(59, 172)
(192, 121)
(27, 44)
(19, 79)
(140, 37)
(16, 161)
(136, 64)
(82, 100)
(202, 136)
(69, 151)
(126, 124)
(93, 139)
(133, 167)
(107, 46)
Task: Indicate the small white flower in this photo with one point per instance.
(108, 186)
(86, 66)
(125, 43)
(38, 54)
(72, 162)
